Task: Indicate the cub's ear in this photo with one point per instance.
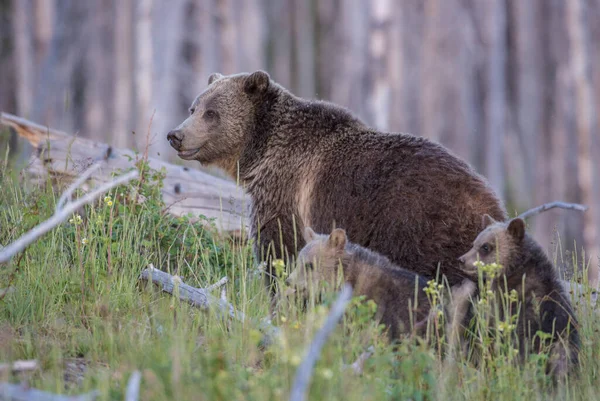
(309, 234)
(214, 77)
(487, 220)
(337, 239)
(516, 228)
(257, 82)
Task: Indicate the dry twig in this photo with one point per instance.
(547, 206)
(304, 372)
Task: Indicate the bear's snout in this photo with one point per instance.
(175, 138)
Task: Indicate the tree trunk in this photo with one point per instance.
(123, 92)
(143, 70)
(449, 110)
(380, 90)
(587, 126)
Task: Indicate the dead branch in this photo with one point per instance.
(547, 206)
(19, 366)
(201, 298)
(60, 215)
(359, 365)
(218, 284)
(83, 178)
(304, 373)
(133, 387)
(17, 392)
(185, 191)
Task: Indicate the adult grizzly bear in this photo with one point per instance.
(312, 163)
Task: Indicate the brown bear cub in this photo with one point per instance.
(402, 304)
(544, 304)
(312, 163)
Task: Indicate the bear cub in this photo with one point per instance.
(525, 268)
(402, 304)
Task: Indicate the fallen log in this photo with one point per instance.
(65, 157)
(17, 392)
(202, 299)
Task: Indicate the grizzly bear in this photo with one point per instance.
(312, 163)
(402, 304)
(544, 305)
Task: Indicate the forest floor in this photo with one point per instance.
(77, 306)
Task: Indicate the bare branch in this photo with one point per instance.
(19, 245)
(202, 299)
(17, 392)
(547, 206)
(133, 387)
(76, 184)
(19, 366)
(359, 365)
(218, 284)
(304, 372)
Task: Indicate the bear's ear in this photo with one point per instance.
(309, 234)
(516, 228)
(487, 220)
(257, 82)
(214, 77)
(337, 239)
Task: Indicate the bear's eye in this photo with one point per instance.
(192, 110)
(210, 114)
(485, 248)
(308, 266)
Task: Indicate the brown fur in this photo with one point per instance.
(370, 274)
(313, 163)
(527, 269)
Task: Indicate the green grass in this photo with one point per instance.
(88, 320)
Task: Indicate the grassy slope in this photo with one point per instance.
(91, 323)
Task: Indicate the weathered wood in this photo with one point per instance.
(16, 392)
(19, 366)
(185, 190)
(299, 390)
(202, 299)
(132, 392)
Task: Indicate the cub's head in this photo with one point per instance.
(319, 260)
(220, 120)
(499, 242)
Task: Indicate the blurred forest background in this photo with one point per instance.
(512, 86)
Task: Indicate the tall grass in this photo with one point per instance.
(80, 310)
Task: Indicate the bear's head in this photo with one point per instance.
(221, 118)
(318, 261)
(499, 242)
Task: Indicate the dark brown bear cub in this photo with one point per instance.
(544, 305)
(311, 163)
(402, 304)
